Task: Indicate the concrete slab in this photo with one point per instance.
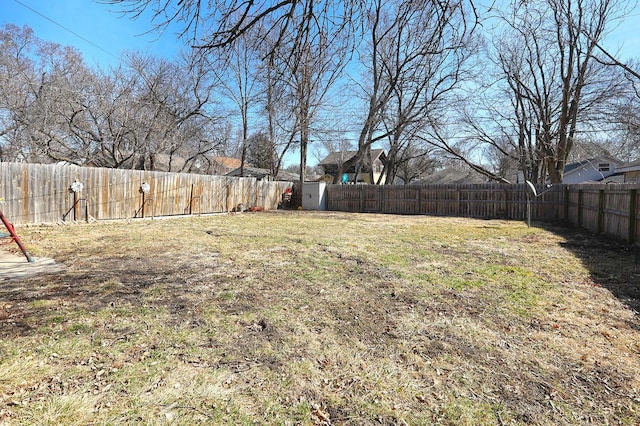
(15, 267)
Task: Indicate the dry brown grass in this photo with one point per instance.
(322, 318)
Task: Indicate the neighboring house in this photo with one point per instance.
(592, 170)
(366, 174)
(287, 176)
(630, 172)
(223, 165)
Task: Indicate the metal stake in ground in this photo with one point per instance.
(14, 236)
(536, 195)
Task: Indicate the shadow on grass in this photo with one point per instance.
(612, 263)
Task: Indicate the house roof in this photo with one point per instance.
(340, 157)
(591, 170)
(259, 173)
(630, 167)
(287, 176)
(227, 162)
(453, 175)
(572, 166)
(250, 172)
(578, 164)
(217, 165)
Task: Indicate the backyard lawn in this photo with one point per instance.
(303, 318)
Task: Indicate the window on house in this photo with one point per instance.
(603, 167)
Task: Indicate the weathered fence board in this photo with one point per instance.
(615, 212)
(40, 193)
(634, 212)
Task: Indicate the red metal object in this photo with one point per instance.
(14, 236)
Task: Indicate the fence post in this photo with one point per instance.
(633, 202)
(567, 195)
(327, 197)
(76, 206)
(190, 206)
(579, 219)
(600, 211)
(361, 188)
(505, 204)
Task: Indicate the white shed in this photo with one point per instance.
(314, 196)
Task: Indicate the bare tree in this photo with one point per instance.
(414, 56)
(279, 117)
(235, 70)
(626, 142)
(626, 110)
(413, 164)
(261, 151)
(53, 116)
(310, 57)
(18, 72)
(166, 112)
(54, 108)
(553, 85)
(220, 23)
(51, 102)
(302, 35)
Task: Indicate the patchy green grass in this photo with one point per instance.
(321, 318)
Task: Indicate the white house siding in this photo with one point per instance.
(591, 171)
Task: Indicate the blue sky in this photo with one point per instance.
(107, 29)
(99, 28)
(625, 37)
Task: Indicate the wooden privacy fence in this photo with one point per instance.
(46, 193)
(37, 193)
(601, 208)
(610, 209)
